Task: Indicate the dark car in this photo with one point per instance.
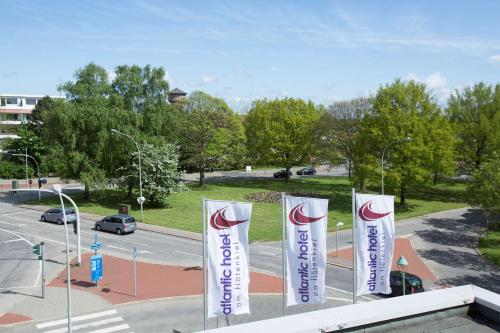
(306, 171)
(119, 224)
(282, 174)
(413, 284)
(56, 215)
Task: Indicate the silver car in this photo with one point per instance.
(119, 224)
(56, 215)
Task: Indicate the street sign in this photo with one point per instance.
(36, 249)
(134, 253)
(140, 200)
(96, 268)
(95, 246)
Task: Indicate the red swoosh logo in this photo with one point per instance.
(297, 216)
(219, 221)
(366, 212)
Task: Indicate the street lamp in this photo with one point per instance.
(339, 224)
(403, 266)
(140, 200)
(37, 169)
(383, 153)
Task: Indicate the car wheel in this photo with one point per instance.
(119, 231)
(98, 227)
(43, 219)
(59, 221)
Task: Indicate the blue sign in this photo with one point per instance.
(95, 246)
(96, 268)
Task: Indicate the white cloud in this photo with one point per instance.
(494, 59)
(208, 79)
(435, 82)
(168, 77)
(111, 74)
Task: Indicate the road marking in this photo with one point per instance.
(112, 329)
(269, 247)
(15, 213)
(30, 243)
(76, 319)
(12, 240)
(264, 271)
(91, 324)
(348, 292)
(127, 250)
(340, 299)
(191, 254)
(14, 224)
(268, 254)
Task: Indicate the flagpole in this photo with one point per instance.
(354, 268)
(204, 264)
(283, 254)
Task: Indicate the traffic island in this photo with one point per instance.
(13, 318)
(153, 280)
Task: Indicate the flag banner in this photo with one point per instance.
(374, 243)
(228, 273)
(306, 256)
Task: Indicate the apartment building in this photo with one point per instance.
(15, 109)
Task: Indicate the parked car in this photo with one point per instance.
(306, 171)
(56, 215)
(119, 224)
(413, 284)
(282, 174)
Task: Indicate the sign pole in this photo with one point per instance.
(354, 268)
(204, 241)
(283, 253)
(42, 249)
(134, 255)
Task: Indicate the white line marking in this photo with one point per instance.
(14, 224)
(30, 243)
(15, 213)
(348, 292)
(91, 324)
(268, 253)
(270, 247)
(191, 254)
(12, 240)
(340, 299)
(76, 319)
(112, 329)
(127, 250)
(144, 251)
(264, 271)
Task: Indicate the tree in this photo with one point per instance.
(398, 127)
(475, 112)
(338, 128)
(90, 86)
(160, 177)
(281, 131)
(211, 133)
(442, 141)
(485, 187)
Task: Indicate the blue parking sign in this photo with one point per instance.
(96, 268)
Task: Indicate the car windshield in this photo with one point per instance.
(130, 220)
(69, 211)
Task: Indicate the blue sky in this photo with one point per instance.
(243, 50)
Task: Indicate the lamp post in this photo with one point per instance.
(383, 153)
(140, 200)
(37, 169)
(403, 266)
(339, 224)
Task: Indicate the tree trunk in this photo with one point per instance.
(435, 178)
(350, 168)
(362, 185)
(86, 193)
(402, 195)
(130, 188)
(287, 170)
(202, 176)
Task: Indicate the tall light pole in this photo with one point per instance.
(140, 200)
(339, 224)
(383, 153)
(403, 266)
(37, 169)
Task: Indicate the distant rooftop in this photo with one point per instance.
(177, 91)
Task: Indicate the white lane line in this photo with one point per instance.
(348, 292)
(30, 243)
(91, 324)
(50, 240)
(190, 254)
(340, 299)
(76, 319)
(112, 329)
(269, 247)
(127, 250)
(16, 213)
(266, 272)
(268, 254)
(14, 224)
(12, 240)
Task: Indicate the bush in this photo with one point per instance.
(11, 170)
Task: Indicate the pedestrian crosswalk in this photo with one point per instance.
(99, 322)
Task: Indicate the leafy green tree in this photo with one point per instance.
(441, 143)
(475, 112)
(281, 131)
(211, 133)
(91, 85)
(485, 187)
(398, 127)
(338, 128)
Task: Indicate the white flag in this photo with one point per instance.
(228, 274)
(306, 256)
(374, 243)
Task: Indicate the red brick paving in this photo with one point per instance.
(11, 318)
(402, 246)
(153, 280)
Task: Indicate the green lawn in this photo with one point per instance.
(490, 246)
(184, 209)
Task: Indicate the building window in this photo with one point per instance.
(11, 100)
(2, 101)
(30, 101)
